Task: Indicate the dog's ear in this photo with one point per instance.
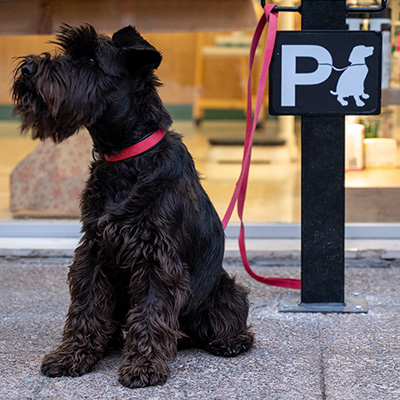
(138, 50)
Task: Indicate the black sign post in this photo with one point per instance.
(308, 78)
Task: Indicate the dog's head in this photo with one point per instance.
(88, 76)
(360, 53)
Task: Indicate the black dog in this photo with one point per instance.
(148, 271)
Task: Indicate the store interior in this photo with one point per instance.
(204, 75)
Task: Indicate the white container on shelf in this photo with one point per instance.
(380, 153)
(354, 152)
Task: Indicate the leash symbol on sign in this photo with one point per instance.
(350, 83)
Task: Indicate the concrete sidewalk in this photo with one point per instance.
(298, 356)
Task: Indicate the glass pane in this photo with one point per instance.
(204, 77)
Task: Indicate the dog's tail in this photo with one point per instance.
(334, 93)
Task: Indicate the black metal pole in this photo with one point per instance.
(323, 197)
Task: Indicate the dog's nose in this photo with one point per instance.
(28, 70)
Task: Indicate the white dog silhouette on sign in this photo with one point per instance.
(351, 82)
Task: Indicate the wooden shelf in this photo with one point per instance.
(384, 178)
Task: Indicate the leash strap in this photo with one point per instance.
(239, 193)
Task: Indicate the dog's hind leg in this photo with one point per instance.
(359, 102)
(221, 328)
(89, 326)
(227, 316)
(159, 288)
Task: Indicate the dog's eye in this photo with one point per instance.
(91, 61)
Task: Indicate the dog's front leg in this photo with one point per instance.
(159, 289)
(89, 325)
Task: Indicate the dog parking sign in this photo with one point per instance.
(326, 73)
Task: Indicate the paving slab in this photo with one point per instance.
(297, 356)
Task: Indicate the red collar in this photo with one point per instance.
(137, 148)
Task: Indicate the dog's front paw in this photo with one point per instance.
(59, 363)
(55, 364)
(138, 375)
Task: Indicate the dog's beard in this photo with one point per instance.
(37, 113)
(35, 117)
(49, 101)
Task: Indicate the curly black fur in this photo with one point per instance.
(148, 271)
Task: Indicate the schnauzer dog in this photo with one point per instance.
(147, 274)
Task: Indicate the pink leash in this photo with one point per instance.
(239, 194)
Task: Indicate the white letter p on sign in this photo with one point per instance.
(290, 78)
